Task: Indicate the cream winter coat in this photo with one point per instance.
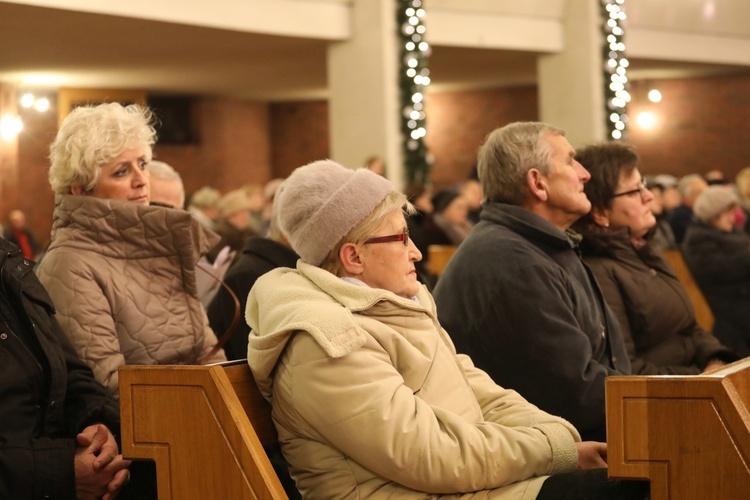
(122, 278)
(370, 398)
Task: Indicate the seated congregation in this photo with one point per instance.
(494, 388)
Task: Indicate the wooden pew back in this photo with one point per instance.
(703, 314)
(689, 435)
(438, 257)
(204, 426)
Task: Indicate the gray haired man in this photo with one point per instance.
(517, 297)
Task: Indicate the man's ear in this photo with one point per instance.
(537, 184)
(600, 217)
(77, 190)
(351, 259)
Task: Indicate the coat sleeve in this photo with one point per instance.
(85, 314)
(518, 322)
(87, 401)
(709, 260)
(613, 295)
(209, 341)
(37, 468)
(388, 429)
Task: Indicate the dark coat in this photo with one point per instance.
(517, 298)
(720, 264)
(231, 236)
(47, 394)
(654, 310)
(259, 256)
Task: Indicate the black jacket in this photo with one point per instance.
(517, 299)
(259, 256)
(47, 394)
(720, 264)
(652, 307)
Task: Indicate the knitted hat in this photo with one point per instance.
(322, 201)
(713, 201)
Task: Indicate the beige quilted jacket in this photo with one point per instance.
(370, 399)
(122, 278)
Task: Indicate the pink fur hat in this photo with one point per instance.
(322, 201)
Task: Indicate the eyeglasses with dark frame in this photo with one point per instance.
(641, 189)
(390, 238)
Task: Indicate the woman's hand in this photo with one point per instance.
(592, 455)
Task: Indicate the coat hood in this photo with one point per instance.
(313, 300)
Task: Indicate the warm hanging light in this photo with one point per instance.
(10, 127)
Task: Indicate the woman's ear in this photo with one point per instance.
(537, 184)
(600, 217)
(351, 259)
(77, 190)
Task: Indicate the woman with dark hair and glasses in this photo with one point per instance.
(369, 397)
(655, 314)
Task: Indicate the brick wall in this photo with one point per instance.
(702, 124)
(458, 122)
(299, 135)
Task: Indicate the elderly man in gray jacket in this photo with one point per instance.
(517, 297)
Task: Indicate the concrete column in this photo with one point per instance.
(571, 92)
(363, 85)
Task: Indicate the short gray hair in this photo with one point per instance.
(165, 172)
(506, 156)
(91, 136)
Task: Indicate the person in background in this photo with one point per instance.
(471, 191)
(376, 164)
(449, 223)
(420, 196)
(663, 237)
(204, 206)
(681, 216)
(269, 193)
(714, 177)
(19, 234)
(742, 184)
(166, 185)
(233, 223)
(651, 305)
(370, 399)
(56, 437)
(516, 296)
(718, 256)
(257, 200)
(259, 255)
(121, 273)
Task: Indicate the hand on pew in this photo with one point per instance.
(592, 455)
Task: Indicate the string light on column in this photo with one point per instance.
(616, 83)
(414, 77)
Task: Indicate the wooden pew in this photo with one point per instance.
(703, 314)
(438, 257)
(204, 426)
(689, 435)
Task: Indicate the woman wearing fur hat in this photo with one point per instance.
(652, 307)
(369, 397)
(718, 255)
(121, 273)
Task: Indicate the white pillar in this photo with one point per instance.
(364, 94)
(571, 92)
